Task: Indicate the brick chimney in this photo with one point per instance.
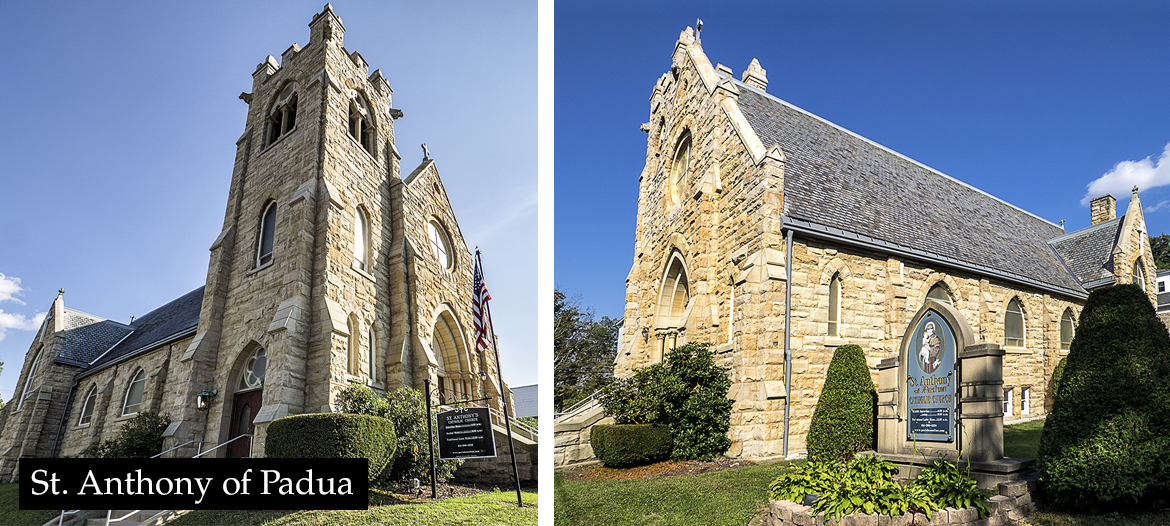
(1103, 208)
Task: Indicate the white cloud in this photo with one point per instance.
(1145, 174)
(9, 288)
(19, 322)
(1159, 206)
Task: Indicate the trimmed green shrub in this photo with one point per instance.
(1057, 373)
(1106, 443)
(407, 409)
(625, 445)
(333, 435)
(140, 437)
(687, 393)
(843, 422)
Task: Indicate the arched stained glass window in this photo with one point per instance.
(252, 377)
(87, 408)
(1066, 330)
(1139, 276)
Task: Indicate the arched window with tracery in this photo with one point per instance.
(1013, 324)
(283, 117)
(360, 123)
(671, 318)
(440, 243)
(252, 375)
(1139, 275)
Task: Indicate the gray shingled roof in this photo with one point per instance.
(88, 336)
(1088, 252)
(836, 178)
(160, 325)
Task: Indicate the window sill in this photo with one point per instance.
(354, 267)
(835, 341)
(127, 416)
(80, 426)
(278, 140)
(1016, 350)
(261, 267)
(361, 148)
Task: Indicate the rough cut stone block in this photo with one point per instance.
(939, 518)
(920, 519)
(781, 509)
(964, 516)
(865, 520)
(901, 520)
(1001, 503)
(1014, 488)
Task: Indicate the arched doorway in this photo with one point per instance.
(246, 401)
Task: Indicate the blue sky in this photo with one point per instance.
(119, 130)
(1029, 101)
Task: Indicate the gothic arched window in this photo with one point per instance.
(678, 169)
(373, 348)
(28, 380)
(252, 377)
(283, 116)
(939, 293)
(1013, 324)
(361, 239)
(1139, 277)
(360, 127)
(1066, 330)
(834, 304)
(267, 234)
(353, 361)
(87, 407)
(440, 243)
(133, 401)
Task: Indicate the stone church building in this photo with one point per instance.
(334, 265)
(777, 236)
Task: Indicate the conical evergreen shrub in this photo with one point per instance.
(1106, 443)
(843, 423)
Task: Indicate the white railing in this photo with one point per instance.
(518, 427)
(63, 514)
(126, 516)
(587, 402)
(229, 442)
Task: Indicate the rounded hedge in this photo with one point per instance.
(843, 422)
(333, 435)
(625, 445)
(1106, 443)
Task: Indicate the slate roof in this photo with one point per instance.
(1088, 252)
(834, 177)
(160, 325)
(88, 336)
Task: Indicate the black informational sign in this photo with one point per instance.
(466, 433)
(194, 484)
(930, 421)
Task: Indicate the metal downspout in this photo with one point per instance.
(787, 332)
(64, 417)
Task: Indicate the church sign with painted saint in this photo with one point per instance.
(930, 381)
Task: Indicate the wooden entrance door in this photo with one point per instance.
(244, 409)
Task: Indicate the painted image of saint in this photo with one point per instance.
(930, 356)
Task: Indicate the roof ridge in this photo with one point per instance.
(1086, 230)
(836, 126)
(160, 307)
(94, 317)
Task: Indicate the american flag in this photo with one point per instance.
(479, 305)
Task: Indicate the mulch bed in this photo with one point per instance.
(403, 494)
(669, 468)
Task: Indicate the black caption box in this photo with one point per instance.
(194, 484)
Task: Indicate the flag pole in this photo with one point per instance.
(503, 393)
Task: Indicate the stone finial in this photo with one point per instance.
(1135, 189)
(756, 76)
(687, 35)
(1102, 209)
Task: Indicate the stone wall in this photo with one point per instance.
(573, 442)
(498, 469)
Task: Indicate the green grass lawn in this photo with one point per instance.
(729, 497)
(1022, 440)
(12, 515)
(486, 509)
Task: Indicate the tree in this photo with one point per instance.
(1160, 246)
(1106, 443)
(583, 350)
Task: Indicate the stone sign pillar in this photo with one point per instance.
(943, 393)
